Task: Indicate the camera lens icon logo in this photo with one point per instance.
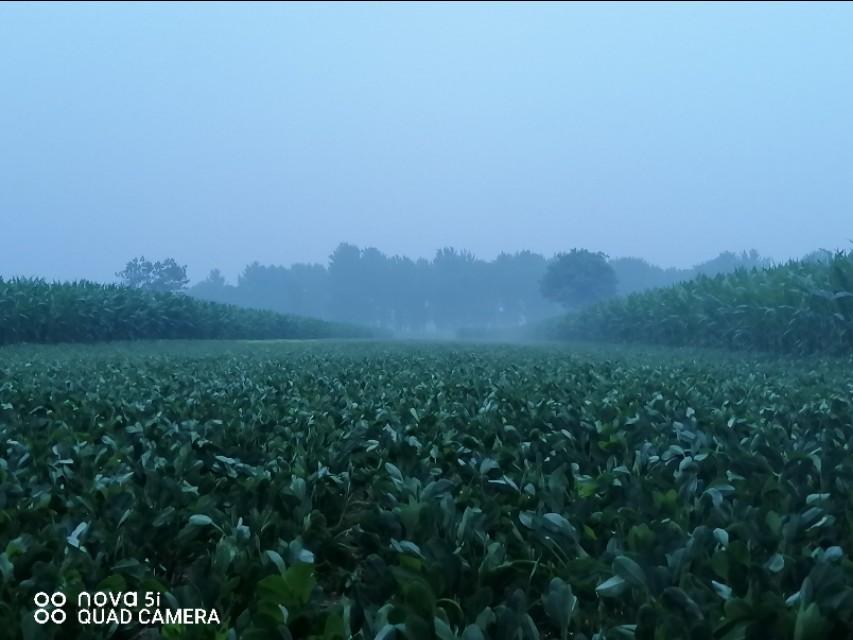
(56, 601)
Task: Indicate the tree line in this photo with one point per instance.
(452, 290)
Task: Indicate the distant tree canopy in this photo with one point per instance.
(578, 279)
(818, 255)
(635, 274)
(729, 261)
(366, 286)
(164, 276)
(452, 290)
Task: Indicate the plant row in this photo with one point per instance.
(39, 312)
(796, 308)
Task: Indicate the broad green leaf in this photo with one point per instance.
(560, 603)
(630, 571)
(612, 588)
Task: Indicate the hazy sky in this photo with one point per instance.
(221, 134)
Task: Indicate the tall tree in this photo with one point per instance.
(345, 285)
(636, 274)
(515, 281)
(458, 295)
(267, 287)
(163, 276)
(311, 284)
(579, 278)
(729, 261)
(213, 288)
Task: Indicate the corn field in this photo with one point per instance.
(797, 308)
(35, 311)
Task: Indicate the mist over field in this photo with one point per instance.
(426, 321)
(226, 134)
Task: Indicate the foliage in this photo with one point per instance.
(798, 308)
(818, 255)
(579, 278)
(635, 274)
(35, 311)
(728, 261)
(451, 291)
(166, 276)
(380, 491)
(365, 286)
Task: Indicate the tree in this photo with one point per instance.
(459, 295)
(164, 276)
(345, 284)
(579, 278)
(636, 274)
(216, 280)
(818, 255)
(213, 288)
(729, 261)
(515, 288)
(312, 285)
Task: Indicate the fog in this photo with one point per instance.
(237, 134)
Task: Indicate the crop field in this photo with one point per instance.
(38, 312)
(798, 308)
(332, 490)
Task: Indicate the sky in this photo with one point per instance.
(220, 134)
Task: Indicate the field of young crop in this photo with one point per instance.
(394, 490)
